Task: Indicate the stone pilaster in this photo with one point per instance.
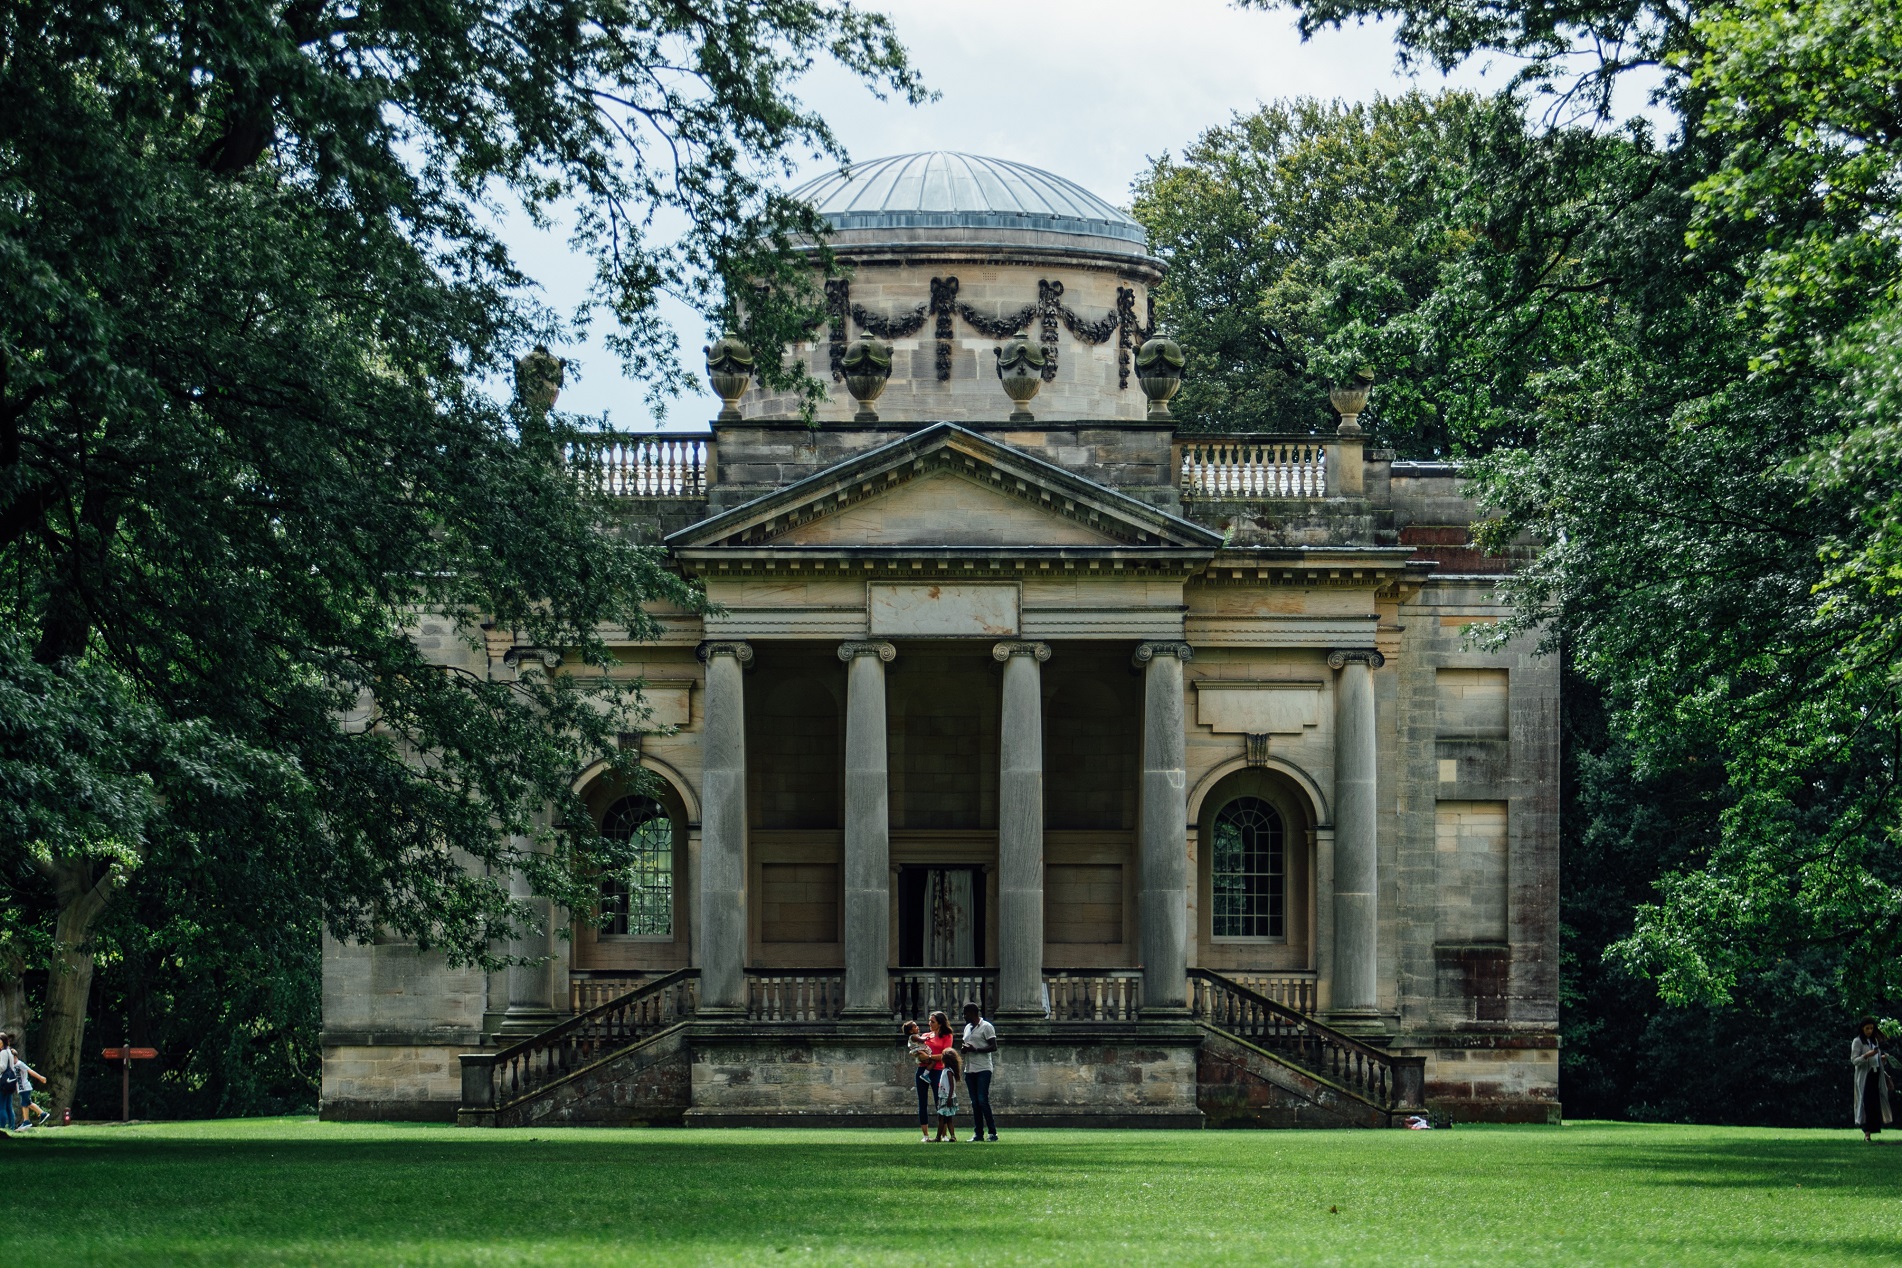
(1020, 831)
(1356, 887)
(867, 831)
(1163, 903)
(531, 1006)
(722, 912)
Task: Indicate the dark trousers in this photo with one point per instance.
(982, 1123)
(927, 1082)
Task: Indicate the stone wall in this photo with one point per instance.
(407, 1082)
(1131, 1079)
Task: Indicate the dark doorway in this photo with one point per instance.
(940, 917)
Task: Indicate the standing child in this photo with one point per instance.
(948, 1081)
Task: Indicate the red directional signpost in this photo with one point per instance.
(125, 1056)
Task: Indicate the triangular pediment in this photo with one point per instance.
(945, 487)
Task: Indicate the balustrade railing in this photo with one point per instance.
(1247, 467)
(918, 993)
(654, 466)
(1295, 990)
(1394, 1083)
(1093, 994)
(587, 993)
(794, 994)
(492, 1081)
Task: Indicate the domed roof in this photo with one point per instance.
(945, 190)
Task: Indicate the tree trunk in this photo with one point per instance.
(12, 994)
(69, 985)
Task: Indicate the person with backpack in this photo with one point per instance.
(11, 1081)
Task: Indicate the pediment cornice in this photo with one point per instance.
(1125, 525)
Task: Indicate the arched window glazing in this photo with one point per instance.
(638, 896)
(1249, 862)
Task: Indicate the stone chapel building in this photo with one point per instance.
(1170, 748)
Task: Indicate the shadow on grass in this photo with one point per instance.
(661, 1192)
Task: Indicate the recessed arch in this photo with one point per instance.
(678, 783)
(1317, 803)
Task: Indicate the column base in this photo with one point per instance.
(1368, 1024)
(1020, 1014)
(523, 1023)
(850, 1013)
(1164, 1012)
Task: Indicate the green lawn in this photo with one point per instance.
(297, 1191)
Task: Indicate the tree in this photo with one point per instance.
(1302, 243)
(1712, 469)
(247, 458)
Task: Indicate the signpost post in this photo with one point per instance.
(125, 1056)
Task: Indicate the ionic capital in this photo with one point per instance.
(1004, 651)
(742, 652)
(547, 657)
(849, 652)
(1356, 656)
(1146, 652)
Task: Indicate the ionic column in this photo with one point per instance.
(1020, 831)
(1163, 902)
(867, 831)
(723, 831)
(1356, 908)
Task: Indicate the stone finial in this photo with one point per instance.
(867, 366)
(1159, 370)
(1020, 368)
(1004, 651)
(849, 652)
(730, 372)
(1355, 656)
(1349, 399)
(538, 379)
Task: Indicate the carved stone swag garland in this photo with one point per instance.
(1119, 323)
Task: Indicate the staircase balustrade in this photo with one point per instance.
(1393, 1083)
(491, 1081)
(794, 995)
(1093, 994)
(1295, 990)
(652, 466)
(1244, 468)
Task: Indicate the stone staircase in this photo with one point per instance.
(1256, 1061)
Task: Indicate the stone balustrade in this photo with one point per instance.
(1250, 467)
(660, 465)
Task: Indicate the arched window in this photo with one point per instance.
(1249, 862)
(638, 897)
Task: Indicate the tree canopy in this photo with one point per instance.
(248, 457)
(1710, 456)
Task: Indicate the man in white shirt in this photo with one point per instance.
(977, 1045)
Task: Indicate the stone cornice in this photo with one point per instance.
(939, 562)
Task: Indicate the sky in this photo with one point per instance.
(1089, 89)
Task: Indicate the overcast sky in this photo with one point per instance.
(1088, 89)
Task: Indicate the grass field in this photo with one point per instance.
(300, 1192)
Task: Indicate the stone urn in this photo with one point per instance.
(868, 366)
(1349, 399)
(538, 377)
(1159, 370)
(1020, 369)
(730, 371)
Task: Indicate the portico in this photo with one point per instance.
(1170, 748)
